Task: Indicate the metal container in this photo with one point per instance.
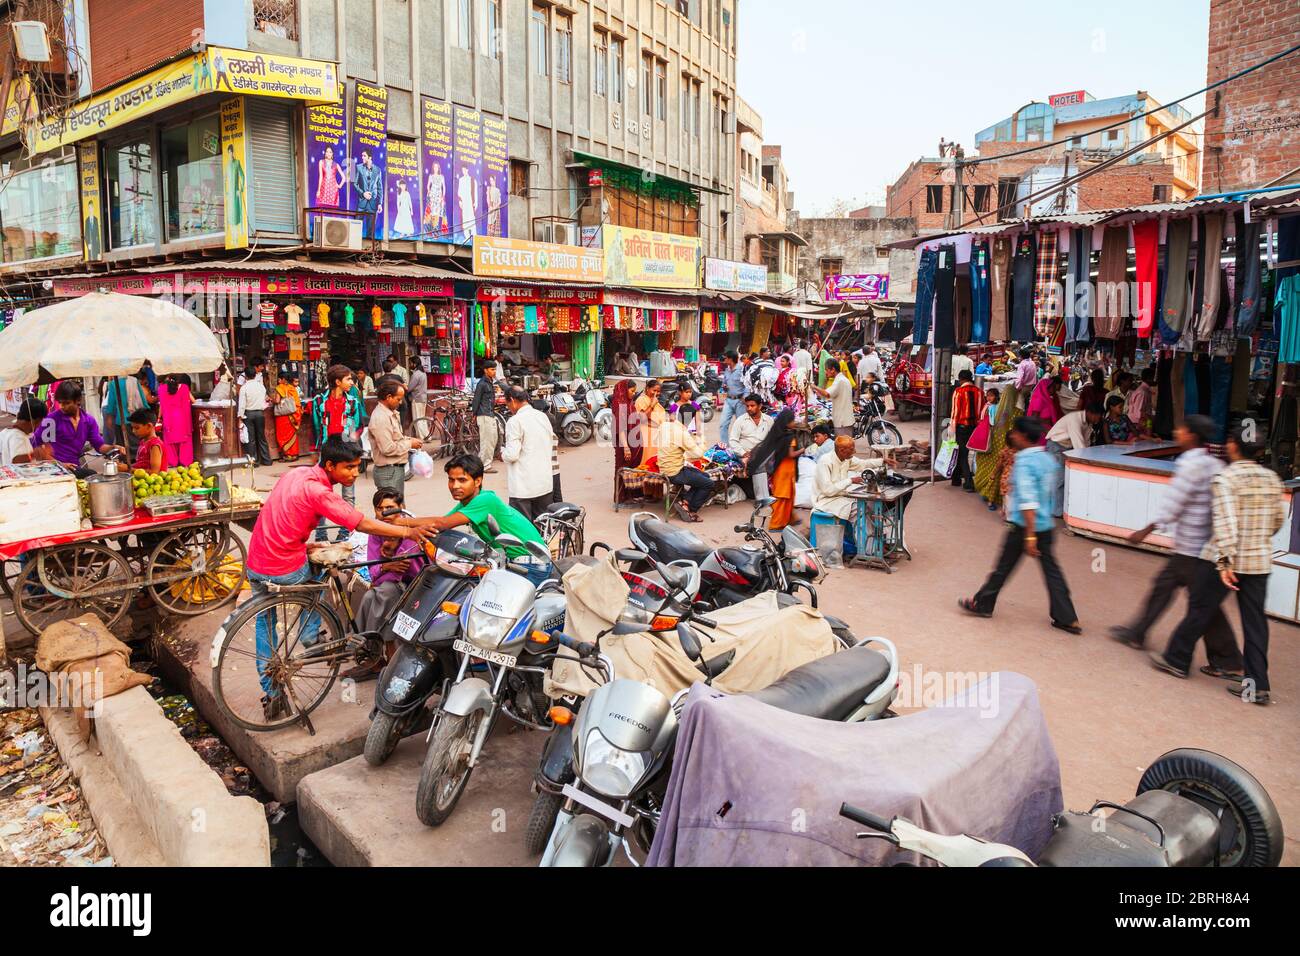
(112, 500)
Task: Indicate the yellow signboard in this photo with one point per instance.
(19, 101)
(216, 69)
(234, 164)
(91, 204)
(651, 260)
(537, 261)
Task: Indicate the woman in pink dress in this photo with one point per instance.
(330, 180)
(1045, 403)
(174, 401)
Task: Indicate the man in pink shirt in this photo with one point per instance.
(277, 551)
(1026, 375)
(1140, 404)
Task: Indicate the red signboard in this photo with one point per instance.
(257, 283)
(1067, 99)
(557, 295)
(596, 177)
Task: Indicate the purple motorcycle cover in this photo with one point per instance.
(755, 786)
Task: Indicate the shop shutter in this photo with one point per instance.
(274, 181)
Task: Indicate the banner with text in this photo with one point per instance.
(468, 165)
(92, 233)
(496, 176)
(861, 288)
(436, 147)
(543, 261)
(368, 155)
(653, 260)
(724, 275)
(403, 188)
(327, 154)
(234, 159)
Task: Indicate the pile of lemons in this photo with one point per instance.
(174, 481)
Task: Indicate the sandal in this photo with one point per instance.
(1209, 670)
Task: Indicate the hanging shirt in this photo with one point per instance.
(323, 315)
(267, 311)
(377, 316)
(294, 312)
(399, 315)
(349, 314)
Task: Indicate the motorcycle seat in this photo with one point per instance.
(829, 688)
(1191, 835)
(563, 510)
(669, 543)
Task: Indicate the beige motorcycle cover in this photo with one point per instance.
(768, 640)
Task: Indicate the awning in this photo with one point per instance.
(394, 268)
(793, 237)
(591, 160)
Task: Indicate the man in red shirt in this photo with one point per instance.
(967, 406)
(277, 551)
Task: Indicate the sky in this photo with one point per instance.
(855, 90)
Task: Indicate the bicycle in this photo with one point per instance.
(563, 529)
(298, 672)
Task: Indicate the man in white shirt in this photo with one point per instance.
(870, 364)
(252, 413)
(802, 357)
(16, 441)
(1071, 431)
(835, 474)
(960, 361)
(527, 454)
(840, 391)
(747, 432)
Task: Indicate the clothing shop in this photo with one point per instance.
(538, 332)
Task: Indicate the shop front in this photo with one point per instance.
(540, 332)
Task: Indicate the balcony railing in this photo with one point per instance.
(277, 18)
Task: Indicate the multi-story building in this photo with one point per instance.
(1253, 140)
(594, 112)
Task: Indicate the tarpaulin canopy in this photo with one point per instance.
(104, 334)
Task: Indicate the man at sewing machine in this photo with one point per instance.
(836, 474)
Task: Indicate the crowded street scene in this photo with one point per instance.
(483, 433)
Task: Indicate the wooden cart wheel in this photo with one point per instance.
(195, 570)
(63, 583)
(9, 571)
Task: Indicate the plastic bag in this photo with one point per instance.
(946, 461)
(421, 464)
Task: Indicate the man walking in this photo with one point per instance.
(527, 454)
(733, 380)
(1247, 509)
(1030, 532)
(840, 391)
(252, 413)
(1026, 375)
(1185, 508)
(967, 407)
(869, 364)
(483, 405)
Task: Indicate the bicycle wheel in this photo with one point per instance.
(70, 582)
(213, 559)
(244, 672)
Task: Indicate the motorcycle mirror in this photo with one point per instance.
(763, 508)
(690, 643)
(538, 551)
(509, 541)
(630, 556)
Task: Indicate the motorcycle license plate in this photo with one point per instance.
(405, 626)
(492, 657)
(600, 806)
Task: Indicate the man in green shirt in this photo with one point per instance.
(474, 507)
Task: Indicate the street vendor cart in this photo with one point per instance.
(57, 562)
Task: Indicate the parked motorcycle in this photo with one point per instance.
(595, 400)
(624, 736)
(869, 419)
(1193, 808)
(574, 423)
(504, 631)
(671, 390)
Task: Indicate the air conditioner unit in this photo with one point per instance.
(337, 232)
(560, 233)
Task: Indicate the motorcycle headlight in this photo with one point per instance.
(486, 630)
(609, 770)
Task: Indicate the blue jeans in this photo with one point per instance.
(732, 409)
(309, 632)
(349, 493)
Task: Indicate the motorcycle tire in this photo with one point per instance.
(576, 433)
(859, 427)
(1216, 782)
(706, 413)
(541, 821)
(382, 738)
(883, 434)
(436, 797)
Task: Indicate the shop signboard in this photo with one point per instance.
(543, 261)
(857, 288)
(234, 166)
(1067, 99)
(723, 275)
(468, 214)
(368, 155)
(438, 128)
(258, 283)
(557, 295)
(92, 231)
(213, 70)
(653, 260)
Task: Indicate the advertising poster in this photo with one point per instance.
(437, 148)
(727, 276)
(496, 177)
(327, 155)
(234, 171)
(92, 223)
(856, 288)
(544, 261)
(467, 189)
(651, 260)
(403, 189)
(368, 155)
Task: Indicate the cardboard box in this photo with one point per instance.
(36, 501)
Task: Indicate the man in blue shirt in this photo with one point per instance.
(1034, 478)
(733, 380)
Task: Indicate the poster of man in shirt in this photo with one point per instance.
(496, 173)
(327, 160)
(234, 166)
(468, 165)
(438, 129)
(368, 155)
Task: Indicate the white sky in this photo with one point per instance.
(854, 90)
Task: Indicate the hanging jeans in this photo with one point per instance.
(1078, 304)
(980, 298)
(1022, 289)
(1248, 276)
(924, 297)
(945, 298)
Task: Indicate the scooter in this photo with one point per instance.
(1193, 808)
(596, 402)
(869, 419)
(574, 423)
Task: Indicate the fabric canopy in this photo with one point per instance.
(104, 334)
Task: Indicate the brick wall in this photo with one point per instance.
(858, 242)
(1243, 146)
(129, 36)
(1124, 185)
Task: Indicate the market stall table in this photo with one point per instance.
(878, 526)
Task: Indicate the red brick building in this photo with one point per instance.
(1255, 139)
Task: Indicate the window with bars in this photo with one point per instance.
(982, 194)
(563, 49)
(277, 18)
(1008, 188)
(934, 199)
(661, 89)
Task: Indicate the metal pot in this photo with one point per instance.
(112, 500)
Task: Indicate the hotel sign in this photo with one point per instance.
(1067, 99)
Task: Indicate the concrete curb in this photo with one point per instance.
(183, 804)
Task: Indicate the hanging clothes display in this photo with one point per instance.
(1078, 306)
(1112, 284)
(1164, 417)
(980, 268)
(945, 297)
(1146, 246)
(1247, 275)
(924, 297)
(1286, 318)
(1022, 289)
(1178, 246)
(999, 282)
(1046, 288)
(1209, 273)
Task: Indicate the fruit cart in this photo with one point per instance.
(187, 562)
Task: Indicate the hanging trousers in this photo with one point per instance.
(1013, 547)
(999, 284)
(1022, 289)
(1078, 307)
(1113, 301)
(1248, 276)
(945, 298)
(924, 297)
(980, 300)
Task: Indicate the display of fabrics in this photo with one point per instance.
(999, 283)
(1287, 318)
(1078, 307)
(924, 296)
(1210, 274)
(1047, 305)
(981, 267)
(945, 295)
(1178, 247)
(1146, 246)
(1112, 298)
(1022, 288)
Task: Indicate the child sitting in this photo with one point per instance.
(387, 581)
(150, 454)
